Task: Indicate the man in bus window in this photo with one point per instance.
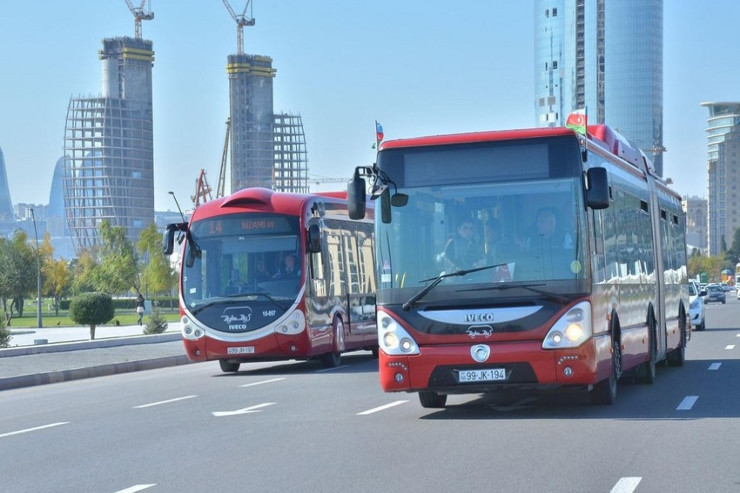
(463, 251)
(289, 268)
(260, 270)
(546, 233)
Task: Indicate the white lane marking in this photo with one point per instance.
(176, 399)
(381, 408)
(136, 487)
(626, 485)
(730, 346)
(715, 366)
(262, 382)
(687, 403)
(36, 428)
(332, 369)
(246, 410)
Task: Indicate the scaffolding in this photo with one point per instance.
(290, 163)
(109, 148)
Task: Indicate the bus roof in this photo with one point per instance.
(264, 199)
(471, 137)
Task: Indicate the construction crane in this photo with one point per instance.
(202, 190)
(241, 21)
(221, 188)
(140, 14)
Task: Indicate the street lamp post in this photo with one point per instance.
(38, 272)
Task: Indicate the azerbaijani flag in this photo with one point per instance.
(378, 132)
(578, 121)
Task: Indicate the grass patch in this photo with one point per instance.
(29, 320)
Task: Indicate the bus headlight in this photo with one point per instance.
(572, 329)
(392, 338)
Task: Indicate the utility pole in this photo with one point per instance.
(38, 272)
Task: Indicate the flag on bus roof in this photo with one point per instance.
(578, 121)
(378, 132)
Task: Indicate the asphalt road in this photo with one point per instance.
(298, 427)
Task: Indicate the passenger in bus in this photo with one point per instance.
(546, 233)
(260, 270)
(463, 251)
(289, 268)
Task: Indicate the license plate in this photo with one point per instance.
(490, 375)
(240, 350)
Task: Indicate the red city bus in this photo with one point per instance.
(524, 258)
(273, 276)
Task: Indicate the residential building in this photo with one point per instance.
(723, 174)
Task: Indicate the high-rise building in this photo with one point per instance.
(267, 149)
(606, 57)
(696, 223)
(723, 174)
(7, 215)
(109, 147)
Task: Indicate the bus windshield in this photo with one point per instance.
(532, 228)
(253, 256)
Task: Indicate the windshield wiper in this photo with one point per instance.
(225, 300)
(529, 287)
(436, 280)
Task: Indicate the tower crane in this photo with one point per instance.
(241, 21)
(140, 14)
(220, 189)
(202, 190)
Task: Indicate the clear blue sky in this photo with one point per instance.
(418, 67)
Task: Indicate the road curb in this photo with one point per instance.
(59, 347)
(95, 371)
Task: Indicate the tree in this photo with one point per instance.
(18, 264)
(156, 324)
(57, 281)
(156, 276)
(92, 309)
(5, 335)
(117, 272)
(83, 272)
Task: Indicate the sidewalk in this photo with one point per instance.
(48, 355)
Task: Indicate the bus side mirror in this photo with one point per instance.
(356, 197)
(385, 206)
(168, 239)
(313, 239)
(597, 191)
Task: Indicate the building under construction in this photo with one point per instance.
(109, 147)
(267, 149)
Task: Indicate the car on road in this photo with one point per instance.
(696, 306)
(715, 293)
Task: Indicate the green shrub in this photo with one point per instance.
(92, 309)
(156, 323)
(4, 332)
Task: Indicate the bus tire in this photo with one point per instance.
(605, 391)
(334, 358)
(648, 367)
(228, 367)
(432, 399)
(678, 355)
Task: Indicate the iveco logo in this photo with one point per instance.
(479, 317)
(480, 352)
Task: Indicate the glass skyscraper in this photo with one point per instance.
(723, 174)
(606, 57)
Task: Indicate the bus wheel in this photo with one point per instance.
(334, 358)
(648, 367)
(430, 398)
(228, 367)
(678, 355)
(605, 392)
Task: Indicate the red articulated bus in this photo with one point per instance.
(524, 258)
(275, 276)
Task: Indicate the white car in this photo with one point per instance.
(696, 306)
